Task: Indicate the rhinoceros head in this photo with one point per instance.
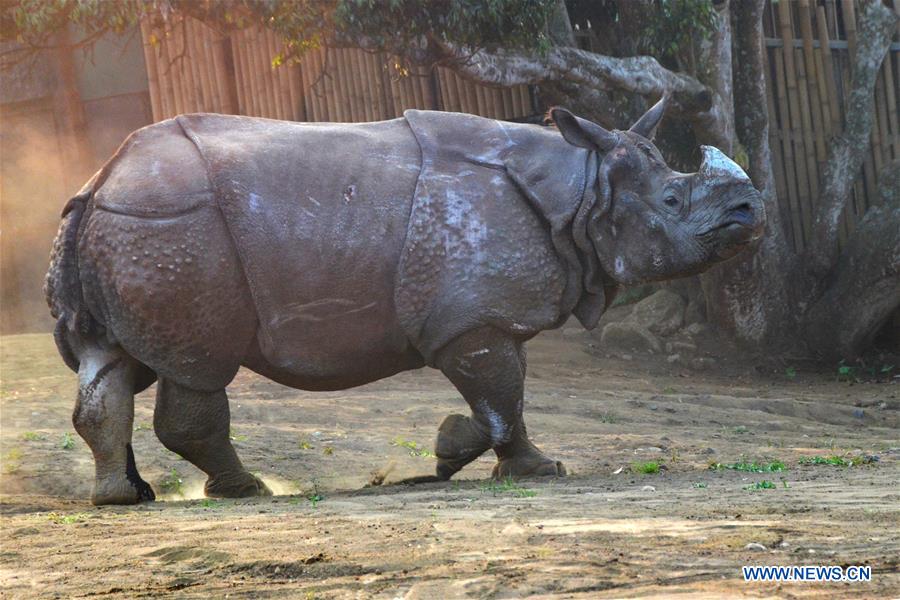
(650, 222)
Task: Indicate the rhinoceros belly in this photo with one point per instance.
(318, 215)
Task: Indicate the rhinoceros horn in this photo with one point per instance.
(717, 166)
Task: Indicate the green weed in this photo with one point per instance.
(765, 484)
(32, 436)
(315, 497)
(507, 485)
(700, 485)
(235, 436)
(646, 468)
(11, 462)
(750, 467)
(173, 483)
(836, 461)
(304, 445)
(413, 447)
(790, 372)
(67, 519)
(68, 441)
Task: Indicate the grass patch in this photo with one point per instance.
(507, 485)
(750, 467)
(173, 483)
(32, 436)
(413, 447)
(210, 503)
(646, 468)
(68, 441)
(304, 445)
(765, 484)
(700, 485)
(235, 436)
(67, 519)
(12, 460)
(837, 461)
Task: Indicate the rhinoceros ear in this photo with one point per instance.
(646, 125)
(581, 132)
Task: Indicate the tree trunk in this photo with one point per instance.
(70, 119)
(747, 297)
(865, 285)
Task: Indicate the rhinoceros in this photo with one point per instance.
(325, 256)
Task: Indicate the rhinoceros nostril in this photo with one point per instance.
(741, 213)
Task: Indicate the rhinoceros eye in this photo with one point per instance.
(671, 201)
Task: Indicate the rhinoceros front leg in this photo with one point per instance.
(196, 425)
(103, 417)
(488, 368)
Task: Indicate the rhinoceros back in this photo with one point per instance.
(318, 214)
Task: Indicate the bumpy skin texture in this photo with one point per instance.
(326, 256)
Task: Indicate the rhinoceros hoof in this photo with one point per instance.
(528, 466)
(459, 442)
(236, 485)
(121, 491)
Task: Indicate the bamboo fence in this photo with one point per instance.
(191, 68)
(809, 48)
(810, 45)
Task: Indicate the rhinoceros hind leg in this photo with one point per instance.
(488, 368)
(104, 418)
(195, 424)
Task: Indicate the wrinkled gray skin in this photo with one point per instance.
(325, 256)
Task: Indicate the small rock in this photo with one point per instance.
(695, 329)
(702, 363)
(709, 451)
(661, 313)
(755, 547)
(673, 358)
(679, 346)
(859, 413)
(630, 336)
(694, 313)
(648, 488)
(647, 449)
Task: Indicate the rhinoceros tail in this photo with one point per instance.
(62, 286)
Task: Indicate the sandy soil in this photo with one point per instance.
(604, 531)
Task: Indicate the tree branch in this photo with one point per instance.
(876, 26)
(638, 74)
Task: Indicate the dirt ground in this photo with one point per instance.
(604, 531)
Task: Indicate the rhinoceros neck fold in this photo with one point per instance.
(505, 196)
